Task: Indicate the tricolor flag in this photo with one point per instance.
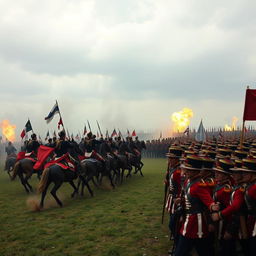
(114, 133)
(52, 113)
(27, 128)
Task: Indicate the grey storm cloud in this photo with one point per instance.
(137, 52)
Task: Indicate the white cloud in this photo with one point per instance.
(125, 62)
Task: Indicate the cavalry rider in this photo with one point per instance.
(33, 146)
(10, 151)
(132, 147)
(91, 145)
(62, 145)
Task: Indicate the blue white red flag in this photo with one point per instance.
(52, 113)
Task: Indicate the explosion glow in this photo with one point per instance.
(8, 130)
(181, 119)
(233, 126)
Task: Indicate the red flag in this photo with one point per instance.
(42, 154)
(133, 133)
(60, 123)
(250, 105)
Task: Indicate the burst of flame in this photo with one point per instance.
(8, 130)
(227, 127)
(181, 119)
(233, 125)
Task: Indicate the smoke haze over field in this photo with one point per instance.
(128, 64)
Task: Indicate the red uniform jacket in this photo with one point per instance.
(222, 194)
(250, 199)
(197, 201)
(174, 189)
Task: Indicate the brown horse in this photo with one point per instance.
(9, 164)
(24, 169)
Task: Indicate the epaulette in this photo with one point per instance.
(202, 183)
(227, 188)
(210, 182)
(242, 189)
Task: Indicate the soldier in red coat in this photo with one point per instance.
(222, 194)
(173, 181)
(235, 213)
(249, 168)
(194, 230)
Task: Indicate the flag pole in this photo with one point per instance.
(99, 128)
(60, 115)
(89, 126)
(242, 135)
(30, 125)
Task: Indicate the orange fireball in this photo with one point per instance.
(181, 119)
(8, 130)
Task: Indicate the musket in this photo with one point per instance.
(89, 126)
(165, 193)
(99, 128)
(164, 203)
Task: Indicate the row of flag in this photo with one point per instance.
(55, 110)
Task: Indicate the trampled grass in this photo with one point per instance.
(125, 221)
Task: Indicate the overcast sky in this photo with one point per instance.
(127, 63)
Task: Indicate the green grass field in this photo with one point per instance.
(125, 221)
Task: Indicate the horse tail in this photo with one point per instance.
(43, 180)
(16, 169)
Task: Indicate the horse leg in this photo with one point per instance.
(43, 195)
(39, 174)
(79, 183)
(89, 188)
(111, 181)
(22, 180)
(129, 173)
(26, 180)
(57, 185)
(122, 175)
(8, 171)
(94, 182)
(75, 188)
